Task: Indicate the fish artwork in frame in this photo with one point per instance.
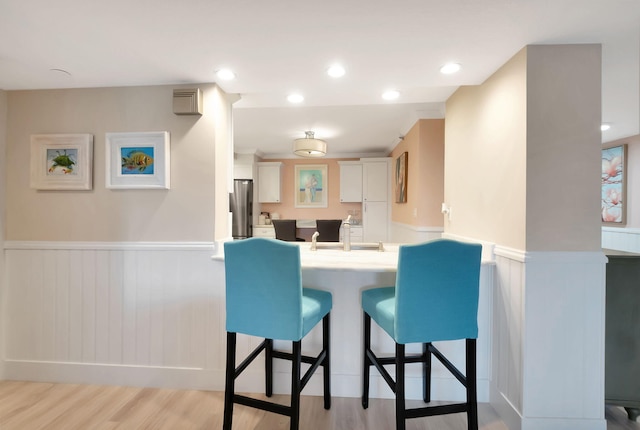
(138, 160)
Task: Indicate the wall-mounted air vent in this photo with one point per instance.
(187, 101)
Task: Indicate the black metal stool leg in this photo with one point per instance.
(366, 362)
(268, 367)
(296, 362)
(400, 401)
(472, 395)
(326, 363)
(426, 373)
(230, 381)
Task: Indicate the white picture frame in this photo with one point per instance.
(140, 160)
(62, 161)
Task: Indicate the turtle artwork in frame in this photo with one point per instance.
(62, 161)
(138, 160)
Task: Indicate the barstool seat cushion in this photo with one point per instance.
(315, 305)
(380, 304)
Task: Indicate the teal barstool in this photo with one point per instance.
(265, 298)
(435, 299)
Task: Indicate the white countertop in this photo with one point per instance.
(331, 256)
(335, 257)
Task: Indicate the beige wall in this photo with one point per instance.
(563, 147)
(424, 144)
(287, 209)
(485, 157)
(523, 152)
(184, 213)
(3, 134)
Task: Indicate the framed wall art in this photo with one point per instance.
(138, 160)
(401, 178)
(311, 186)
(614, 178)
(62, 161)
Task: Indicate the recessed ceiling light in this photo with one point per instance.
(295, 98)
(605, 127)
(450, 68)
(225, 74)
(336, 71)
(391, 95)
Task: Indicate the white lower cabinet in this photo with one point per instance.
(355, 234)
(264, 231)
(375, 221)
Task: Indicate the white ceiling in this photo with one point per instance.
(280, 46)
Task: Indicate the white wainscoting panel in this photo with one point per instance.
(404, 233)
(113, 308)
(548, 351)
(621, 239)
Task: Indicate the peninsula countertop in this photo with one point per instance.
(331, 256)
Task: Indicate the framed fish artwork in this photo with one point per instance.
(61, 161)
(138, 160)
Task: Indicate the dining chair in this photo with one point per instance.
(285, 229)
(435, 298)
(265, 298)
(329, 230)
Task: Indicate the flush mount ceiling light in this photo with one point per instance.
(225, 74)
(605, 127)
(450, 68)
(309, 146)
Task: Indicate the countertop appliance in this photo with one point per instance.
(241, 208)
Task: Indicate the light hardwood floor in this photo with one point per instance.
(32, 406)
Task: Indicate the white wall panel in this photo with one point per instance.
(155, 316)
(621, 239)
(140, 307)
(548, 367)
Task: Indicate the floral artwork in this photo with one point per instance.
(613, 185)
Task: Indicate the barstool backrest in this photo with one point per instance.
(285, 229)
(329, 230)
(263, 288)
(437, 288)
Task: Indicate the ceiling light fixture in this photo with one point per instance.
(309, 146)
(225, 74)
(295, 98)
(605, 127)
(391, 95)
(450, 68)
(336, 71)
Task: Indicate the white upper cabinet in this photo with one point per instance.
(375, 180)
(350, 181)
(269, 175)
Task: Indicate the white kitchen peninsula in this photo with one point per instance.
(346, 274)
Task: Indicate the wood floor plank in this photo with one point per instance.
(35, 406)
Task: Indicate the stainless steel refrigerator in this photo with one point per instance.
(241, 207)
